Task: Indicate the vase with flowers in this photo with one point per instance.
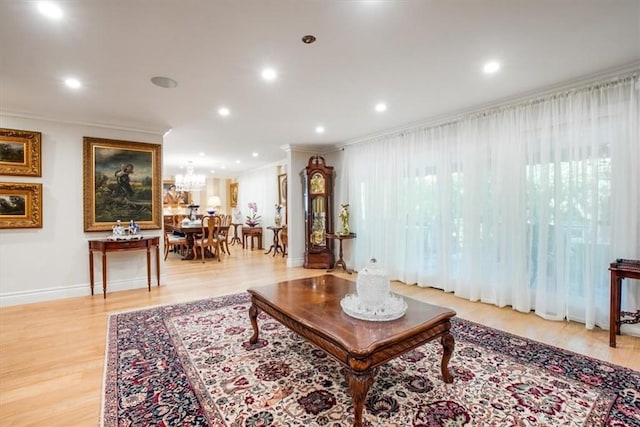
(253, 219)
(278, 217)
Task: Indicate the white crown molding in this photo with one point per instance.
(310, 148)
(159, 131)
(271, 165)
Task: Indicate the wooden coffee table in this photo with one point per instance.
(311, 308)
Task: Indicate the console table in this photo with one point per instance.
(106, 245)
(340, 261)
(622, 268)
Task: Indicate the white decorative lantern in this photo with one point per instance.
(373, 300)
(372, 284)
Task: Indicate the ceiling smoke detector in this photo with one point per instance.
(308, 39)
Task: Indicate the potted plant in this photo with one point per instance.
(253, 219)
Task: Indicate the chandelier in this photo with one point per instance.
(190, 181)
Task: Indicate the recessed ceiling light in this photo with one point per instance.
(201, 154)
(224, 111)
(223, 167)
(212, 171)
(50, 9)
(380, 107)
(319, 129)
(491, 67)
(254, 154)
(308, 39)
(238, 162)
(269, 74)
(73, 83)
(164, 82)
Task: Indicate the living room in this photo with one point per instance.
(508, 209)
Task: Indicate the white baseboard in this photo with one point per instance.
(295, 262)
(81, 290)
(632, 329)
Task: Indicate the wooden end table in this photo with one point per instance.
(622, 268)
(235, 239)
(311, 308)
(251, 233)
(276, 246)
(340, 261)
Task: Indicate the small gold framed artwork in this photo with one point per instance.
(233, 191)
(20, 205)
(20, 152)
(282, 189)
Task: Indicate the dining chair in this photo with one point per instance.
(284, 239)
(210, 236)
(224, 233)
(173, 241)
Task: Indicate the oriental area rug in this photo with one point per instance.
(191, 364)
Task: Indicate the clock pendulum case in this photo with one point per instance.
(318, 207)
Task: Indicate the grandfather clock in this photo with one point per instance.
(318, 207)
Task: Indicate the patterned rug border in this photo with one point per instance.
(613, 379)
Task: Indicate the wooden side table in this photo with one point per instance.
(106, 245)
(340, 261)
(622, 268)
(235, 239)
(251, 233)
(276, 241)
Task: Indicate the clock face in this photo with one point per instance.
(317, 183)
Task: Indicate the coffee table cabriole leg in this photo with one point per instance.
(359, 383)
(448, 344)
(253, 316)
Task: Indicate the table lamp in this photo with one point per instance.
(214, 203)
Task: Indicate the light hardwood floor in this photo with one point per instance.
(52, 354)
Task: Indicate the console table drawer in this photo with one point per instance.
(122, 245)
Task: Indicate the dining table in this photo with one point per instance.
(190, 231)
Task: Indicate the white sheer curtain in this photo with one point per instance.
(524, 205)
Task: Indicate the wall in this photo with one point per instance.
(52, 262)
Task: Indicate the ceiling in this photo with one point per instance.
(422, 58)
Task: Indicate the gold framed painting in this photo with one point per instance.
(122, 181)
(282, 189)
(20, 205)
(20, 152)
(172, 197)
(233, 195)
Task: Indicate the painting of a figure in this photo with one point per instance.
(171, 196)
(282, 189)
(124, 179)
(233, 189)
